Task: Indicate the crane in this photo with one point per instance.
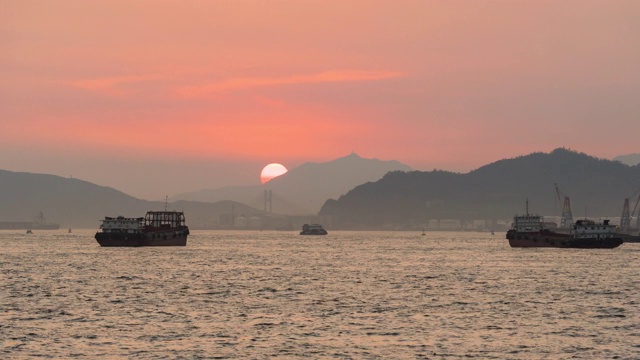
(625, 219)
(566, 221)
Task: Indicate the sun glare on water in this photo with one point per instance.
(272, 171)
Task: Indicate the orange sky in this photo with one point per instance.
(159, 97)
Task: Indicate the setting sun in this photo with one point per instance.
(272, 171)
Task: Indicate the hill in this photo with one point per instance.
(304, 189)
(596, 187)
(80, 204)
(630, 159)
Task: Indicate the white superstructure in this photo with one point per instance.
(527, 223)
(588, 229)
(122, 224)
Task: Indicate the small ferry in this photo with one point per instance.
(313, 229)
(157, 228)
(528, 230)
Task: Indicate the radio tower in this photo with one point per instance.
(566, 221)
(625, 219)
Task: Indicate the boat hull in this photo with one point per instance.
(173, 238)
(314, 232)
(557, 240)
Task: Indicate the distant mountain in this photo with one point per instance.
(596, 187)
(304, 189)
(630, 159)
(81, 204)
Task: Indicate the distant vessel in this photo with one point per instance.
(38, 223)
(313, 229)
(528, 231)
(157, 228)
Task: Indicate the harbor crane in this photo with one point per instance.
(566, 221)
(625, 219)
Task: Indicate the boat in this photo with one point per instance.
(157, 228)
(313, 229)
(529, 230)
(38, 223)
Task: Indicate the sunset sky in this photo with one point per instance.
(160, 97)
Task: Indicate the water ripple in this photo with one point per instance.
(374, 295)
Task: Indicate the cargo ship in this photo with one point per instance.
(528, 230)
(313, 229)
(157, 228)
(38, 223)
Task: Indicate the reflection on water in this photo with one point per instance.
(346, 295)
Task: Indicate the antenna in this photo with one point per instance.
(166, 201)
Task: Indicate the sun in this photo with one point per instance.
(271, 171)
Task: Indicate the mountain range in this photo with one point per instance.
(81, 204)
(77, 203)
(629, 159)
(304, 189)
(353, 194)
(596, 187)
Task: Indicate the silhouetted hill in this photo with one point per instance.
(77, 203)
(304, 189)
(494, 191)
(630, 159)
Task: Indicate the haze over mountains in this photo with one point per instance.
(81, 204)
(76, 203)
(353, 193)
(597, 187)
(304, 189)
(629, 159)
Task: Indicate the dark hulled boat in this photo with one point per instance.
(157, 228)
(528, 231)
(313, 229)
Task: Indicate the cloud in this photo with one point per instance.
(253, 82)
(113, 85)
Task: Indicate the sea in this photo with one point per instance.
(347, 295)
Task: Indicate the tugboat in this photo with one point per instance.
(157, 228)
(528, 231)
(313, 229)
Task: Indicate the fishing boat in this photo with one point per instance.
(529, 230)
(157, 228)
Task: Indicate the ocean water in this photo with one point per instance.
(348, 295)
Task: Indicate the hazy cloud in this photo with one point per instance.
(252, 82)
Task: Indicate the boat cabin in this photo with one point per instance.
(590, 229)
(527, 223)
(164, 219)
(122, 224)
